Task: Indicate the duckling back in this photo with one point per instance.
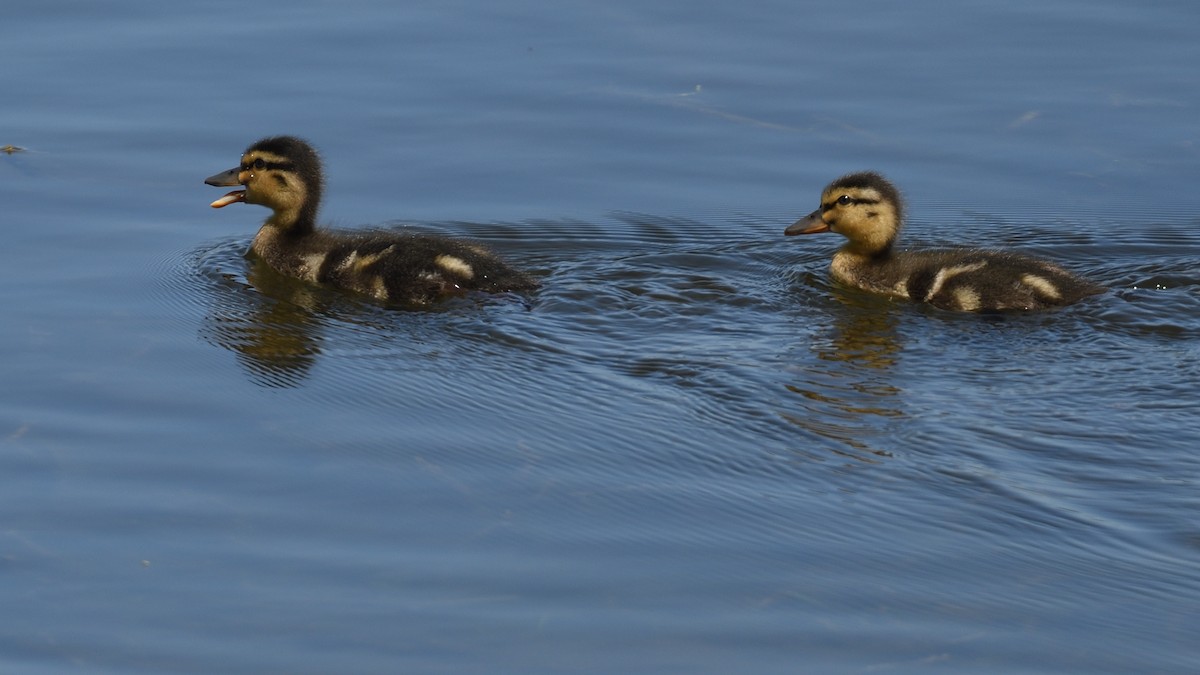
(402, 269)
(967, 280)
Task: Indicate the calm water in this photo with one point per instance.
(688, 452)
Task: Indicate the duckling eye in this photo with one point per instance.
(844, 200)
(259, 164)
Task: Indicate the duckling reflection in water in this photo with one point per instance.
(868, 210)
(284, 174)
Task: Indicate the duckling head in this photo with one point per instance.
(282, 173)
(863, 207)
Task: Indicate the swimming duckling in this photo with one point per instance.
(868, 210)
(284, 174)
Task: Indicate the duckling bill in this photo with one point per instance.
(868, 211)
(284, 174)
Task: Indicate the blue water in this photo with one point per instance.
(689, 451)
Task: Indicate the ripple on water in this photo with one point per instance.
(722, 349)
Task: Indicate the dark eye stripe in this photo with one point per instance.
(278, 166)
(851, 200)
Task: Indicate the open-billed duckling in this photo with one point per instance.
(284, 174)
(868, 210)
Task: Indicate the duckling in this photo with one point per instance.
(869, 211)
(283, 173)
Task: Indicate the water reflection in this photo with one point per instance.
(863, 332)
(273, 331)
(846, 395)
(276, 325)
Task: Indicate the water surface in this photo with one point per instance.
(688, 451)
